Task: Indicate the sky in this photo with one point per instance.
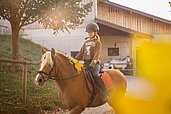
(159, 8)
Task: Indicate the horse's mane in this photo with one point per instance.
(48, 59)
(73, 61)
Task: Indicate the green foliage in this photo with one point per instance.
(64, 14)
(38, 99)
(55, 14)
(5, 47)
(21, 12)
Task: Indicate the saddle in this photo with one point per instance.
(92, 86)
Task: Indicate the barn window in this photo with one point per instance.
(113, 51)
(74, 53)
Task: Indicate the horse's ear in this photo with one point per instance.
(53, 52)
(43, 51)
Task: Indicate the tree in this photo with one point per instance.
(55, 14)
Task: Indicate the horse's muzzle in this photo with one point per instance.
(39, 80)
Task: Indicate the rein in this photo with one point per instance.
(55, 78)
(59, 77)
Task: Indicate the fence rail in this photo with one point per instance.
(24, 76)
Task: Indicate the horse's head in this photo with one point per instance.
(46, 67)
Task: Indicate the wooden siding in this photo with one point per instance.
(133, 20)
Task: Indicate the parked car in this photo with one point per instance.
(107, 66)
(117, 64)
(120, 64)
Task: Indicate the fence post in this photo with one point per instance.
(24, 75)
(24, 82)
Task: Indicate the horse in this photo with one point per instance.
(72, 83)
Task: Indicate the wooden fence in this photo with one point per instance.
(24, 75)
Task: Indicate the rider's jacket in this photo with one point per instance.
(90, 50)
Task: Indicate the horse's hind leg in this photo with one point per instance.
(77, 109)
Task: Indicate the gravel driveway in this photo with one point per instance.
(103, 109)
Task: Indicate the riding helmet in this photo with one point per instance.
(92, 27)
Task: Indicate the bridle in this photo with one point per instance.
(49, 75)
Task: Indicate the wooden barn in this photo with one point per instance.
(122, 30)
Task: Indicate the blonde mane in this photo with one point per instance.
(46, 59)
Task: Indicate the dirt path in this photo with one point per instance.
(104, 109)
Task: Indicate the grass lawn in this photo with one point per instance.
(39, 100)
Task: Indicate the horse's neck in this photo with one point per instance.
(65, 68)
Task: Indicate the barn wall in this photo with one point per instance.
(122, 42)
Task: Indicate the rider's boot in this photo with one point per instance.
(103, 93)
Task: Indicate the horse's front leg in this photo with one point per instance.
(77, 109)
